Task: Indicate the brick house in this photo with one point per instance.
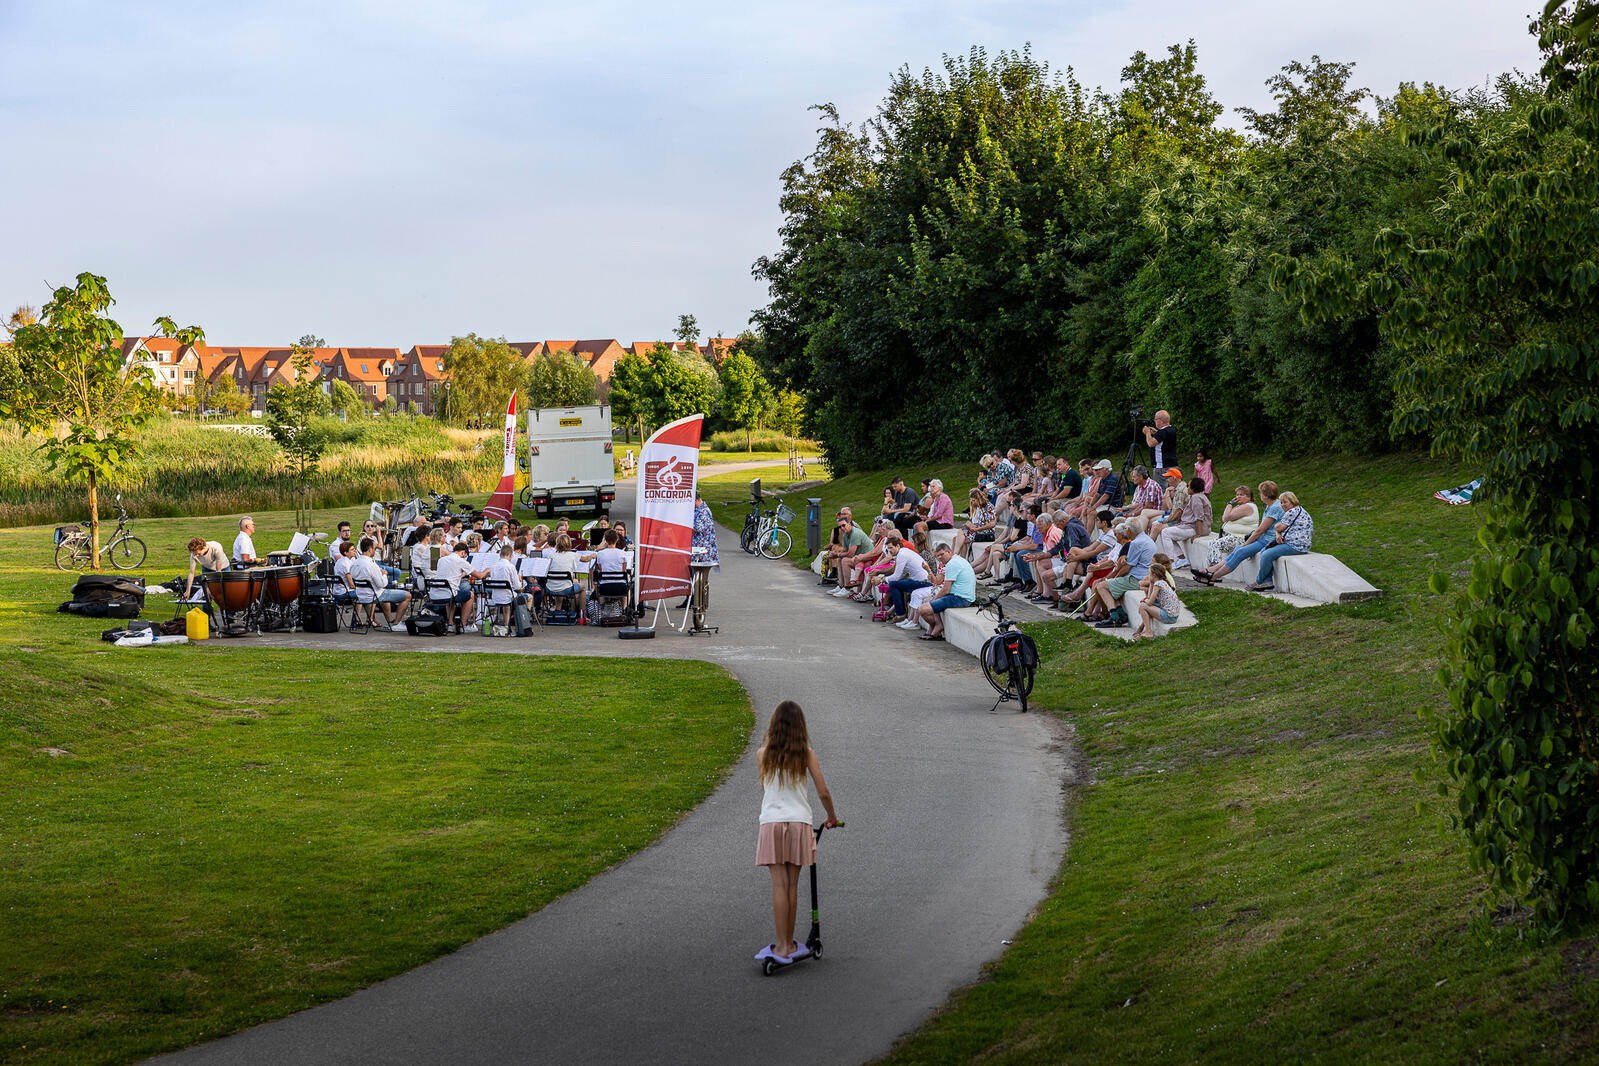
(416, 379)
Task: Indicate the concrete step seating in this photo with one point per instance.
(1314, 577)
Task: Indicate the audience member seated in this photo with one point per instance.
(1138, 552)
(1009, 524)
(1238, 520)
(1292, 536)
(1148, 499)
(1160, 601)
(1255, 543)
(207, 557)
(979, 525)
(1068, 485)
(1193, 521)
(1105, 554)
(1070, 535)
(899, 505)
(1029, 542)
(869, 562)
(909, 573)
(1175, 500)
(940, 508)
(850, 542)
(957, 588)
(391, 601)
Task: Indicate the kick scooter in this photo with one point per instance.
(771, 963)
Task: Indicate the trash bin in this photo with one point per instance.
(813, 526)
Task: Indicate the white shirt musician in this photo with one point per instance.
(244, 544)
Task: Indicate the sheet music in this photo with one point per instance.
(535, 566)
(298, 544)
(483, 560)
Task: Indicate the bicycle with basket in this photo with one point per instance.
(125, 551)
(1009, 657)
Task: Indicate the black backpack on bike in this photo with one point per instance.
(1012, 648)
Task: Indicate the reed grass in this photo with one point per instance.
(188, 469)
(761, 440)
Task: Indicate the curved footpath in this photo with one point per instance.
(955, 828)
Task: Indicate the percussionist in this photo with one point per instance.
(244, 543)
(206, 556)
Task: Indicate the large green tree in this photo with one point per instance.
(629, 391)
(1496, 314)
(745, 393)
(71, 372)
(559, 379)
(678, 386)
(481, 375)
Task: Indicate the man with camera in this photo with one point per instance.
(1162, 441)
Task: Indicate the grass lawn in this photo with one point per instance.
(1249, 878)
(199, 838)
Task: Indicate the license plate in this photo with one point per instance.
(570, 502)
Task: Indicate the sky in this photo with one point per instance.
(395, 172)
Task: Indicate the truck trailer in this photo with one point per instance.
(570, 469)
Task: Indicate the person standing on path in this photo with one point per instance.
(787, 842)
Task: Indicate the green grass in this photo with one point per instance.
(1249, 879)
(226, 834)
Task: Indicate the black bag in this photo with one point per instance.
(111, 636)
(521, 618)
(105, 596)
(114, 609)
(319, 616)
(1011, 648)
(426, 624)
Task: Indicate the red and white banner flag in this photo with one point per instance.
(668, 465)
(499, 505)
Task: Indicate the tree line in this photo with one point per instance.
(1002, 256)
(643, 391)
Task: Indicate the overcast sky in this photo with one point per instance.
(392, 172)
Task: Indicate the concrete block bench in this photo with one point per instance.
(1313, 576)
(968, 629)
(1130, 603)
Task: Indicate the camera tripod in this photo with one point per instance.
(1131, 461)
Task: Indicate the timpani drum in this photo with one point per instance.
(236, 594)
(281, 589)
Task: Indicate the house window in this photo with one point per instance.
(364, 370)
(188, 375)
(388, 368)
(416, 368)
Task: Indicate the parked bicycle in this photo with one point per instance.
(764, 532)
(123, 550)
(1009, 657)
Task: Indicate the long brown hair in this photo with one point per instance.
(787, 747)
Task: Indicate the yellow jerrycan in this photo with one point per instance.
(198, 624)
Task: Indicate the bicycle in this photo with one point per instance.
(772, 540)
(126, 551)
(1009, 657)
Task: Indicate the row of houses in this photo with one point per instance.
(376, 374)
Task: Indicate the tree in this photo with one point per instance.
(225, 395)
(24, 315)
(481, 376)
(559, 379)
(345, 398)
(1496, 314)
(290, 419)
(688, 330)
(677, 388)
(786, 413)
(71, 369)
(630, 390)
(310, 340)
(744, 393)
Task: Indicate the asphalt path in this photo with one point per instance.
(955, 828)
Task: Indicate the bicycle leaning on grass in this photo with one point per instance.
(125, 551)
(1009, 657)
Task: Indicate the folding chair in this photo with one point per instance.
(492, 610)
(570, 598)
(439, 596)
(613, 593)
(354, 605)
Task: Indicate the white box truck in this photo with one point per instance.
(569, 465)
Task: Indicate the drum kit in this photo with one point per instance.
(264, 598)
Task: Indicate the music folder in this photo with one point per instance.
(298, 544)
(535, 566)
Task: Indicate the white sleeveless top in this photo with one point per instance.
(786, 802)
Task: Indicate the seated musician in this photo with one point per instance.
(244, 543)
(371, 529)
(610, 562)
(391, 601)
(336, 549)
(503, 569)
(343, 585)
(501, 537)
(453, 533)
(419, 531)
(565, 562)
(456, 570)
(620, 529)
(208, 557)
(422, 557)
(540, 544)
(477, 525)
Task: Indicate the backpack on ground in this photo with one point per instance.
(521, 619)
(425, 624)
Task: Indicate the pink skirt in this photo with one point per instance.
(786, 842)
